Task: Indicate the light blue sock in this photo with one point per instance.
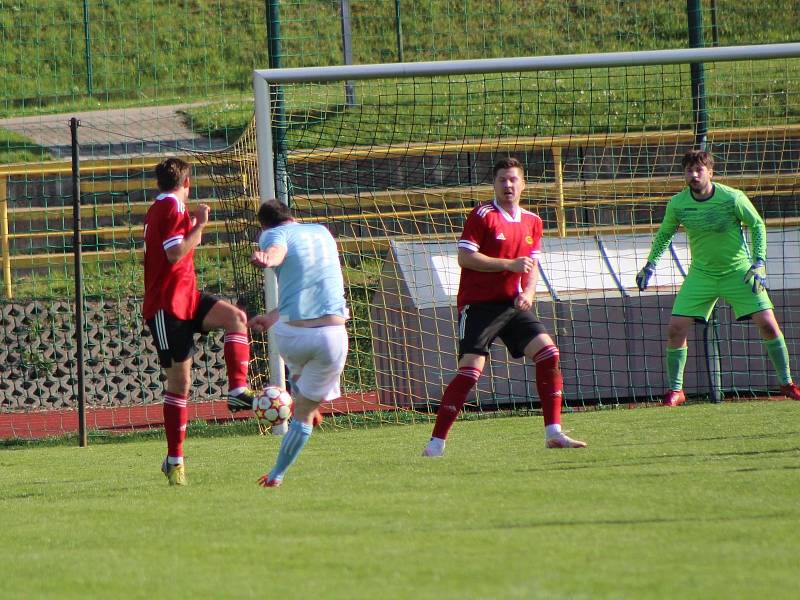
(292, 444)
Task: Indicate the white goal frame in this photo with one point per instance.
(272, 184)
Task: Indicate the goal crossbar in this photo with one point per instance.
(527, 63)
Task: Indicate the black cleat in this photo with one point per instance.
(241, 401)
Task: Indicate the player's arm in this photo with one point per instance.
(192, 239)
(273, 256)
(747, 214)
(526, 298)
(660, 244)
(477, 261)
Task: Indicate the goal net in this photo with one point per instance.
(391, 158)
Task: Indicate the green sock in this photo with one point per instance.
(779, 355)
(676, 362)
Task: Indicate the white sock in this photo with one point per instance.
(552, 430)
(436, 443)
(236, 391)
(175, 460)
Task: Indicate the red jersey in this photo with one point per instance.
(167, 286)
(492, 231)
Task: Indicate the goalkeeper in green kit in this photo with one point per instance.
(722, 266)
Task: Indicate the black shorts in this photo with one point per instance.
(174, 338)
(480, 324)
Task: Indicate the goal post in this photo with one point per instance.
(395, 175)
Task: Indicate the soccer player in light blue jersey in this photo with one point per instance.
(309, 322)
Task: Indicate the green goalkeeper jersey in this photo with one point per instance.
(714, 229)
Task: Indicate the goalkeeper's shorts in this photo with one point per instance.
(700, 292)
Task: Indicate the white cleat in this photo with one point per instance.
(562, 440)
(435, 448)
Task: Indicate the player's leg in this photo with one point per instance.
(544, 354)
(176, 418)
(694, 302)
(295, 439)
(219, 314)
(478, 326)
(470, 367)
(676, 354)
(174, 341)
(775, 345)
(759, 308)
(316, 357)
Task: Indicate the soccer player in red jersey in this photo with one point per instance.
(498, 255)
(175, 310)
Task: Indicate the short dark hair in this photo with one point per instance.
(171, 173)
(273, 213)
(507, 163)
(697, 157)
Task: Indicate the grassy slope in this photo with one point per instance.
(697, 502)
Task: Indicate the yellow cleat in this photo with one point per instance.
(175, 474)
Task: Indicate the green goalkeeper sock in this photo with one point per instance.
(676, 362)
(779, 355)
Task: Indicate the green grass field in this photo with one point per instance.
(695, 502)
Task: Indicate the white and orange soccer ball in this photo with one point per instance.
(273, 406)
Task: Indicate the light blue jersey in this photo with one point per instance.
(310, 279)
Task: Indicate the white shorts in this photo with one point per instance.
(315, 357)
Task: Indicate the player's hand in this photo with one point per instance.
(201, 213)
(758, 275)
(261, 323)
(524, 302)
(643, 277)
(523, 264)
(259, 259)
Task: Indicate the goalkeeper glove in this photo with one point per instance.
(643, 277)
(758, 275)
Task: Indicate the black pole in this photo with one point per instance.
(277, 103)
(714, 28)
(87, 40)
(711, 341)
(347, 50)
(76, 248)
(695, 15)
(398, 23)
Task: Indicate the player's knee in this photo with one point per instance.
(676, 333)
(237, 320)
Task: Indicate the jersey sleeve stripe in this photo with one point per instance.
(467, 245)
(173, 241)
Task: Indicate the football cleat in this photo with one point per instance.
(175, 474)
(562, 440)
(265, 481)
(435, 448)
(790, 390)
(674, 398)
(241, 401)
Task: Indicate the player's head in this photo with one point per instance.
(697, 157)
(698, 168)
(273, 213)
(509, 180)
(172, 173)
(508, 163)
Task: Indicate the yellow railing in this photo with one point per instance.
(558, 193)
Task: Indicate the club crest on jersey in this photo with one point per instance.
(500, 236)
(528, 239)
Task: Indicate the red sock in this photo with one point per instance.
(549, 384)
(453, 400)
(237, 357)
(176, 415)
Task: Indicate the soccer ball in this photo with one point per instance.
(273, 406)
